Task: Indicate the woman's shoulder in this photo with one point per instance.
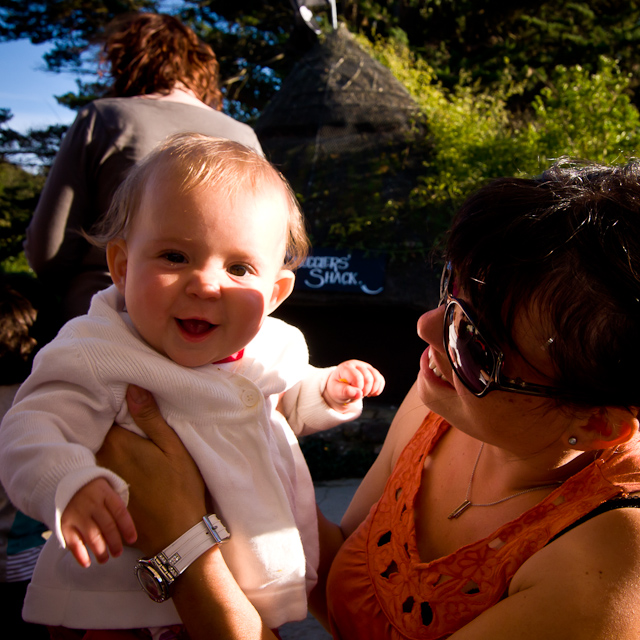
(159, 118)
(582, 585)
(594, 565)
(610, 530)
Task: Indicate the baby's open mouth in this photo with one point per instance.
(196, 327)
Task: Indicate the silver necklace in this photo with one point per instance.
(467, 504)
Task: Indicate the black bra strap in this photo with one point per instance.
(609, 505)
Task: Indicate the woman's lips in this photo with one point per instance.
(433, 365)
(429, 361)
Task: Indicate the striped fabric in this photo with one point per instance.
(20, 565)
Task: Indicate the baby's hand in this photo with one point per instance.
(97, 520)
(352, 380)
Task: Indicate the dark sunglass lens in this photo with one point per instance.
(471, 358)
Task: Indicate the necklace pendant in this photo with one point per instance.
(456, 513)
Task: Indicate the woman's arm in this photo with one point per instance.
(331, 539)
(64, 205)
(167, 497)
(405, 423)
(409, 417)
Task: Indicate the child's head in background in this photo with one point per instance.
(28, 320)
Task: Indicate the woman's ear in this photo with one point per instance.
(117, 262)
(606, 428)
(282, 289)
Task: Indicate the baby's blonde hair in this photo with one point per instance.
(197, 160)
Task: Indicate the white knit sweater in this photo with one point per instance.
(226, 416)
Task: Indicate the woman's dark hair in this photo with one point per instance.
(153, 52)
(567, 245)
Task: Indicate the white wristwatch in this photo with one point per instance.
(157, 574)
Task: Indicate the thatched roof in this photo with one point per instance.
(344, 132)
(337, 99)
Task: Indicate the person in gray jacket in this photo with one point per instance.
(164, 81)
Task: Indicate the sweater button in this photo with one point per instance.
(249, 397)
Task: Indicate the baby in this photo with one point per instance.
(201, 240)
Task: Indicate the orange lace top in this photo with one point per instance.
(380, 590)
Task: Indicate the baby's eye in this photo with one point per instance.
(239, 270)
(174, 256)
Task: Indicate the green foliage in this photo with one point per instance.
(256, 44)
(586, 115)
(475, 136)
(575, 33)
(470, 131)
(16, 264)
(19, 193)
(477, 36)
(34, 150)
(503, 90)
(70, 24)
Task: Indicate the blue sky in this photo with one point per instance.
(28, 90)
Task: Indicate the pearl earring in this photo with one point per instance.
(573, 441)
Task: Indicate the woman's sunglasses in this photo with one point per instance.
(476, 362)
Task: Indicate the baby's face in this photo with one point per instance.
(200, 271)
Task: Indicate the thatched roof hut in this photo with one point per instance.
(336, 100)
(345, 133)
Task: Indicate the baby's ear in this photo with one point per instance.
(606, 427)
(282, 288)
(117, 261)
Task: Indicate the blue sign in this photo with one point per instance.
(335, 270)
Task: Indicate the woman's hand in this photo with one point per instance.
(167, 497)
(167, 493)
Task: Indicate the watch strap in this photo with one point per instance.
(192, 544)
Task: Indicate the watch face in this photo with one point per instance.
(151, 581)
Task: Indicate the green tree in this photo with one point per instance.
(586, 115)
(475, 136)
(71, 25)
(35, 149)
(503, 89)
(257, 42)
(19, 191)
(534, 36)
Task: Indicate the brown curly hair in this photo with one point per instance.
(153, 52)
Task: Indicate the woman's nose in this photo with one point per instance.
(430, 326)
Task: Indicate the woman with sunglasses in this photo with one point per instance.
(502, 503)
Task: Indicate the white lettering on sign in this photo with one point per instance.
(324, 270)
